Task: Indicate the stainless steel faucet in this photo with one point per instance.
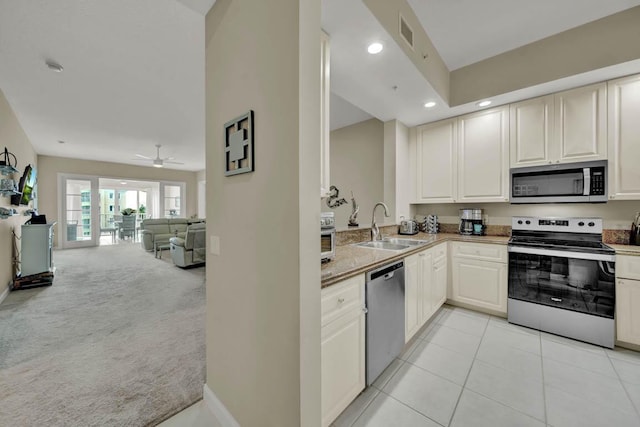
(375, 231)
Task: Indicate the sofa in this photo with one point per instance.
(192, 249)
(159, 231)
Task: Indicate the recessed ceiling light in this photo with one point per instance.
(430, 104)
(123, 182)
(54, 66)
(375, 48)
(483, 103)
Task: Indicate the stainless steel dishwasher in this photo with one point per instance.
(385, 317)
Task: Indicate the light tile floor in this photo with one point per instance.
(471, 369)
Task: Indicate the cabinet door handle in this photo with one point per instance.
(556, 299)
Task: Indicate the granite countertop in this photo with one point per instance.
(625, 249)
(351, 260)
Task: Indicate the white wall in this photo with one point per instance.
(357, 164)
(12, 137)
(263, 285)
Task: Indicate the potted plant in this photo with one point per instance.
(128, 211)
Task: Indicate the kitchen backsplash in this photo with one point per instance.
(347, 237)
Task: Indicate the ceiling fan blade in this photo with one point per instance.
(142, 160)
(144, 157)
(169, 158)
(173, 163)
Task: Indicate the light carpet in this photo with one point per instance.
(117, 340)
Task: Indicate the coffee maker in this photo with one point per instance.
(471, 222)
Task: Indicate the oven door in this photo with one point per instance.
(576, 281)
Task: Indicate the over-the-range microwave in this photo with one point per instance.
(584, 182)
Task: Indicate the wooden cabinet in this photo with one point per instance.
(440, 282)
(325, 130)
(624, 138)
(580, 127)
(565, 127)
(343, 346)
(425, 287)
(628, 299)
(483, 156)
(412, 300)
(531, 132)
(628, 311)
(436, 162)
(479, 280)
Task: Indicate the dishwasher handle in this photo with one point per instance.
(385, 272)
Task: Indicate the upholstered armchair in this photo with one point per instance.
(192, 249)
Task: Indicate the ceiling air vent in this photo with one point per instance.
(406, 32)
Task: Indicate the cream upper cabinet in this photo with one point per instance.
(343, 346)
(325, 130)
(531, 132)
(580, 124)
(624, 138)
(483, 156)
(436, 162)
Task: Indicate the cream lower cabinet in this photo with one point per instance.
(343, 346)
(628, 299)
(412, 300)
(479, 276)
(425, 287)
(624, 138)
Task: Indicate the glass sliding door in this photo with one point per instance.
(79, 214)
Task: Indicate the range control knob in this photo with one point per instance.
(592, 224)
(581, 224)
(520, 221)
(527, 222)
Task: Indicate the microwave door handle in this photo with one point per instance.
(587, 182)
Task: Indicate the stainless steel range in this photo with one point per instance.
(562, 278)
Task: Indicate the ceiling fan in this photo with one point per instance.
(158, 162)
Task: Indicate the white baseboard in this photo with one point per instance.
(218, 409)
(4, 294)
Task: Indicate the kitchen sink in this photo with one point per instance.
(381, 244)
(400, 241)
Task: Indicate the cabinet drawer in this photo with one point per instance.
(341, 298)
(480, 251)
(628, 267)
(439, 252)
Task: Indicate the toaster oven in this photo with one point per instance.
(327, 236)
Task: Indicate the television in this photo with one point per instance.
(26, 187)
